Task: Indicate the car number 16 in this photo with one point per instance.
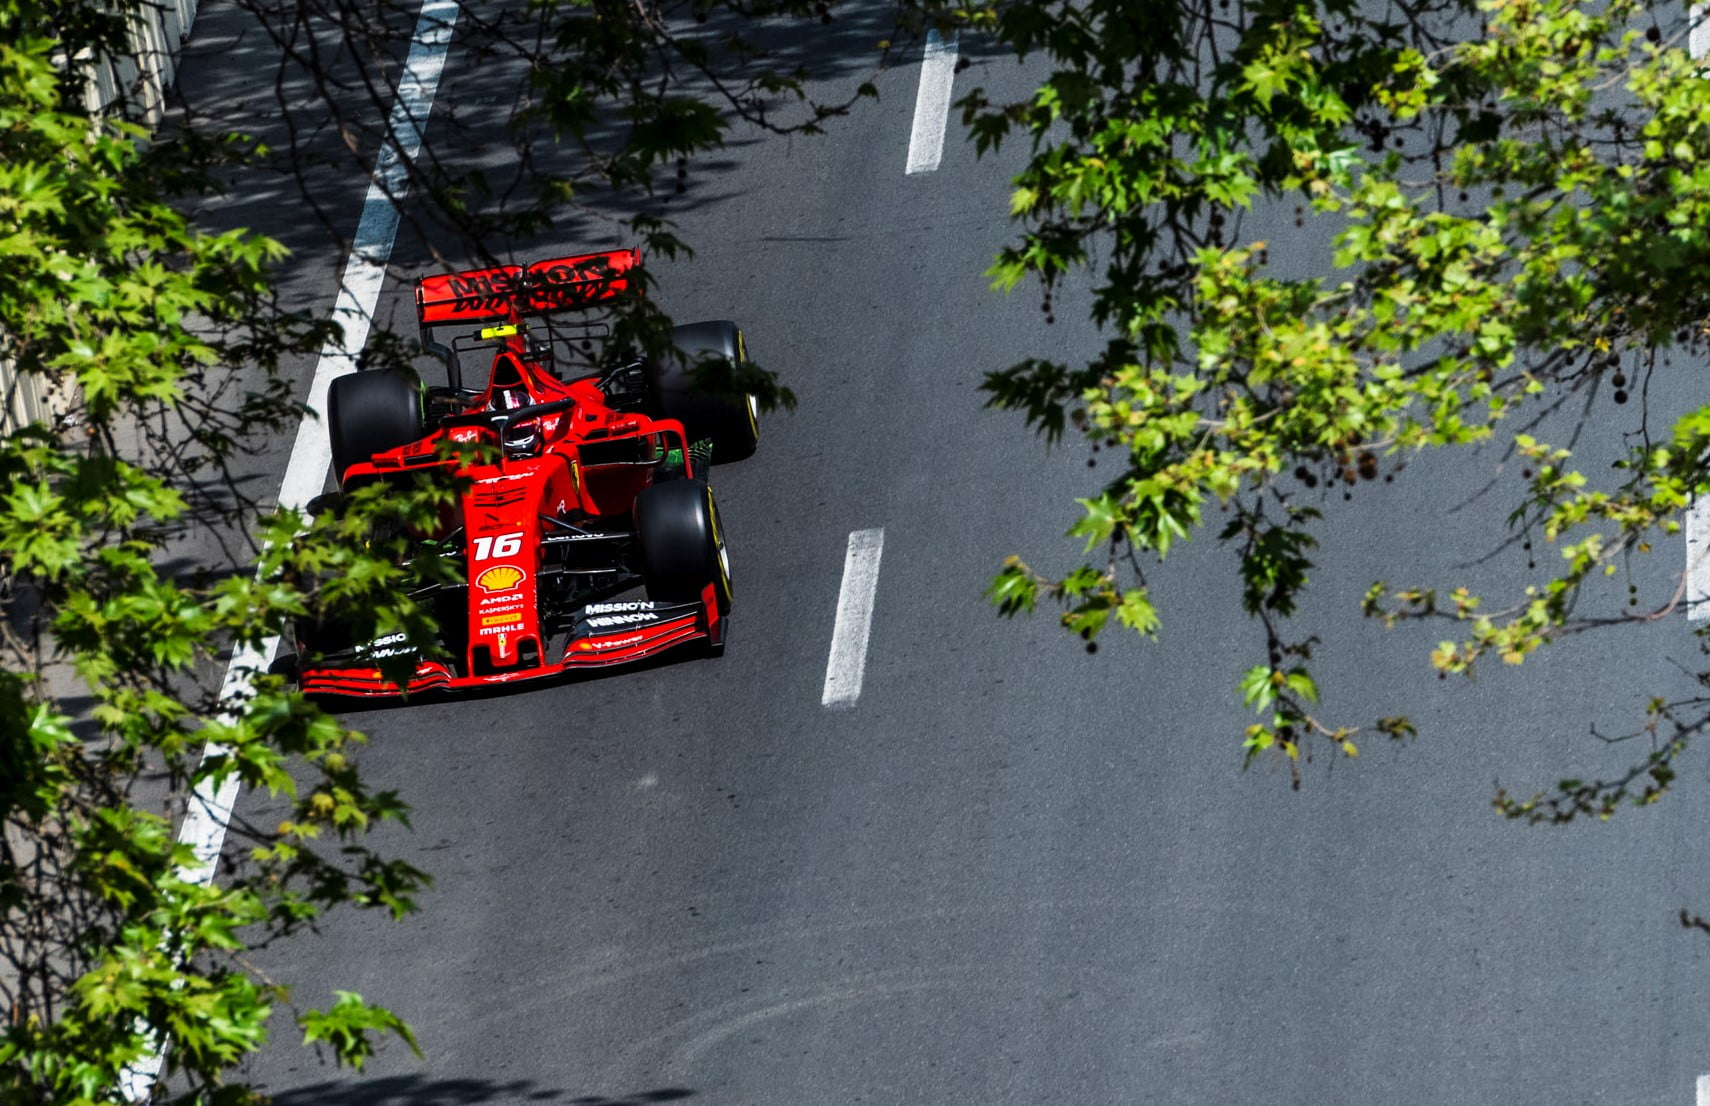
(505, 545)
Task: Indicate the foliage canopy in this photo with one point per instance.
(1516, 194)
(1516, 198)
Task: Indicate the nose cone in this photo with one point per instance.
(502, 521)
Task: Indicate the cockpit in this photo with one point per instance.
(508, 391)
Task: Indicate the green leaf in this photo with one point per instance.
(349, 1026)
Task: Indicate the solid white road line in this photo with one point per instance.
(1698, 512)
(365, 271)
(932, 103)
(1704, 1090)
(1697, 516)
(210, 808)
(1698, 560)
(848, 660)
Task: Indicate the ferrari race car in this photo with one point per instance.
(596, 483)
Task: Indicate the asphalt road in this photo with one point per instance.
(1012, 872)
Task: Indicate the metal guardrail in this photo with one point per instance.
(134, 84)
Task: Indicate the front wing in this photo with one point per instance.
(602, 635)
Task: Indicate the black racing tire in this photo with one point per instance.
(730, 419)
(318, 638)
(681, 544)
(369, 413)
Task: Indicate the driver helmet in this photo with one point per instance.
(521, 438)
(510, 393)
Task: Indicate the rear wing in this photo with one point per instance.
(511, 292)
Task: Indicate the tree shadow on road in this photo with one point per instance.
(417, 1090)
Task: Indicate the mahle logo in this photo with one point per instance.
(501, 578)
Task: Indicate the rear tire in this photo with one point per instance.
(369, 413)
(731, 419)
(682, 547)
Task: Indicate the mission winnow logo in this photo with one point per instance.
(634, 613)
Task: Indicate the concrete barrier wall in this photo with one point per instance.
(135, 85)
(139, 81)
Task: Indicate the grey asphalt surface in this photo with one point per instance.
(1013, 872)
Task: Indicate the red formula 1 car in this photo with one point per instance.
(597, 485)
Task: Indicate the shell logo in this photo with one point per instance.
(500, 578)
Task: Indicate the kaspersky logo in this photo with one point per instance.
(500, 578)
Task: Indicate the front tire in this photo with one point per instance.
(681, 544)
(369, 413)
(730, 418)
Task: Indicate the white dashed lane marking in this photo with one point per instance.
(210, 807)
(848, 660)
(932, 103)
